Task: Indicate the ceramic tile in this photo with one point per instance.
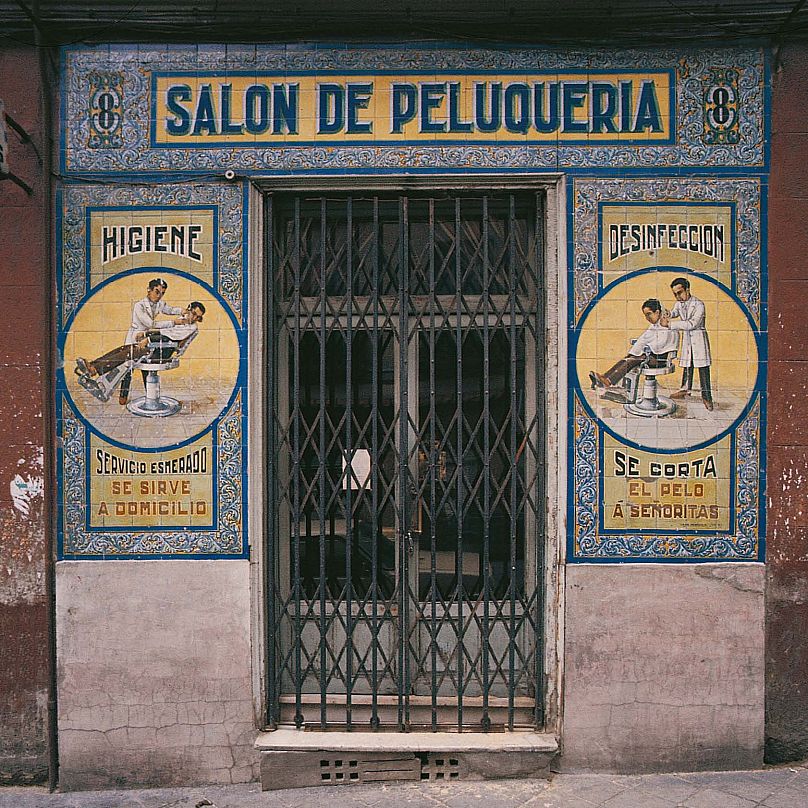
(166, 459)
(681, 430)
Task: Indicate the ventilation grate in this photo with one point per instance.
(338, 770)
(304, 769)
(439, 767)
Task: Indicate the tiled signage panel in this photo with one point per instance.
(151, 396)
(213, 108)
(666, 156)
(667, 370)
(266, 109)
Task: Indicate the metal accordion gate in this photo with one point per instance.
(405, 451)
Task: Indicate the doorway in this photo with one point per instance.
(406, 464)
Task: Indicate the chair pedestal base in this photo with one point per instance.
(153, 405)
(161, 408)
(659, 408)
(651, 405)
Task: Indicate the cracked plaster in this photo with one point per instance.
(663, 667)
(154, 673)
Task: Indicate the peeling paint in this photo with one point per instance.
(25, 489)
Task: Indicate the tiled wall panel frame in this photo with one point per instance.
(716, 154)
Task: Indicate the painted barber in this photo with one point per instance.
(688, 317)
(152, 312)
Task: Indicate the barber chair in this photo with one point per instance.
(153, 404)
(649, 404)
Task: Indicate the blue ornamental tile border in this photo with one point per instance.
(122, 145)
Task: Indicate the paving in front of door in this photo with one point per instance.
(781, 787)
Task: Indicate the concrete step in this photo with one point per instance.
(299, 758)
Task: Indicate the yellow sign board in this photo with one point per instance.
(693, 236)
(126, 239)
(206, 109)
(650, 491)
(151, 489)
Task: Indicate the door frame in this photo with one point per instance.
(555, 309)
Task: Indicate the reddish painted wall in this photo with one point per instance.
(23, 361)
(787, 467)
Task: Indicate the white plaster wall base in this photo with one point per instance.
(664, 667)
(154, 680)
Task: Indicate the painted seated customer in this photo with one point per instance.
(658, 338)
(159, 345)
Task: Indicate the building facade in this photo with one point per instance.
(417, 389)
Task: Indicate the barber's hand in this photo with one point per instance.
(181, 320)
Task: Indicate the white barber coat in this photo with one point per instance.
(659, 339)
(687, 317)
(144, 317)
